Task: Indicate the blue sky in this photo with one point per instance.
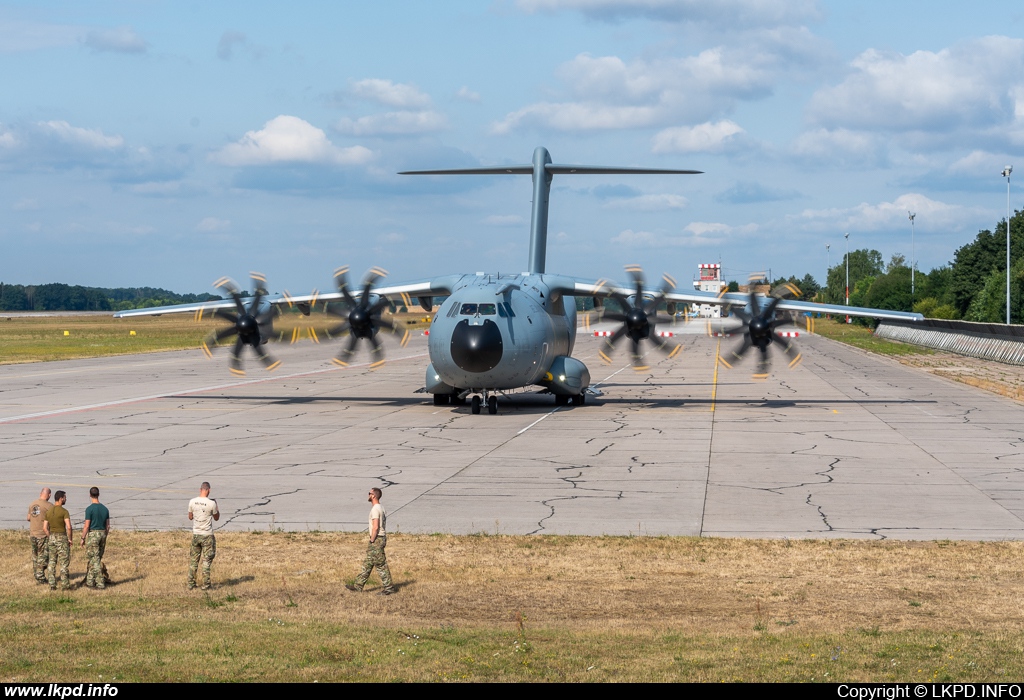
(165, 144)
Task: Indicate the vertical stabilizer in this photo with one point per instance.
(539, 219)
(543, 170)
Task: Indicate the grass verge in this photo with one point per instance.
(41, 339)
(864, 338)
(519, 608)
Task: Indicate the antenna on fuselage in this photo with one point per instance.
(542, 170)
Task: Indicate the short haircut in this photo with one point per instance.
(59, 495)
(377, 492)
(205, 486)
(94, 492)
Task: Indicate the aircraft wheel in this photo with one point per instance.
(475, 405)
(561, 400)
(579, 399)
(441, 399)
(492, 404)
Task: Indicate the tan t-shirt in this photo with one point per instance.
(36, 515)
(377, 513)
(202, 510)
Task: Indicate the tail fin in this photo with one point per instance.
(543, 170)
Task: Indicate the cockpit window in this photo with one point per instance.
(482, 309)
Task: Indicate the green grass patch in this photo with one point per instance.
(864, 338)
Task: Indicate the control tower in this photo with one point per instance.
(709, 279)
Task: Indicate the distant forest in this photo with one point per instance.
(971, 287)
(66, 297)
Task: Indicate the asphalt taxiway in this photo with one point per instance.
(845, 445)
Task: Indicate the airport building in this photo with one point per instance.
(709, 279)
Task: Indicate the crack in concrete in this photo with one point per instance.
(821, 513)
(244, 511)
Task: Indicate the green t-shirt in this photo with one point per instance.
(97, 515)
(55, 516)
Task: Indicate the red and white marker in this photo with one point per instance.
(426, 332)
(788, 334)
(666, 334)
(602, 334)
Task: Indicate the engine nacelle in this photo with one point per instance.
(433, 383)
(567, 376)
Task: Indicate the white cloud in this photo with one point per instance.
(212, 223)
(607, 92)
(887, 215)
(977, 84)
(696, 234)
(119, 40)
(386, 92)
(833, 147)
(467, 95)
(724, 13)
(709, 137)
(503, 220)
(405, 122)
(93, 139)
(649, 202)
(287, 139)
(26, 204)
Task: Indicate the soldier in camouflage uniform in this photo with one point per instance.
(202, 511)
(94, 539)
(375, 556)
(37, 534)
(59, 534)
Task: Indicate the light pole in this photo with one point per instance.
(912, 217)
(828, 268)
(1006, 173)
(847, 237)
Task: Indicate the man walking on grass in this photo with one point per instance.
(375, 556)
(202, 511)
(94, 539)
(37, 534)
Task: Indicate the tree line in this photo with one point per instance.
(971, 287)
(66, 297)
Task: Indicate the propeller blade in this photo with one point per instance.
(269, 362)
(236, 360)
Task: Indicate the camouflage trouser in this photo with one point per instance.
(40, 557)
(95, 545)
(204, 548)
(375, 557)
(60, 555)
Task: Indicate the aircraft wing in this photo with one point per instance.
(603, 288)
(439, 286)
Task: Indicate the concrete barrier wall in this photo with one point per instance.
(988, 341)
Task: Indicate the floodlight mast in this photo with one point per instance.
(912, 265)
(1006, 173)
(847, 237)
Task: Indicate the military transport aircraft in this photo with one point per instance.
(498, 332)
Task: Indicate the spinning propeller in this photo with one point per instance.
(251, 325)
(362, 320)
(639, 319)
(759, 330)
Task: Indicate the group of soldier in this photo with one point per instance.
(52, 535)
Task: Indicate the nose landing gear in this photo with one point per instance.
(490, 399)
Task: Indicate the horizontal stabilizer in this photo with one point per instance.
(555, 169)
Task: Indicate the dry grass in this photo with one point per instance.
(41, 339)
(524, 608)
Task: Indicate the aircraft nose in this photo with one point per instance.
(476, 348)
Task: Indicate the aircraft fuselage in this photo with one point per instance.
(499, 332)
